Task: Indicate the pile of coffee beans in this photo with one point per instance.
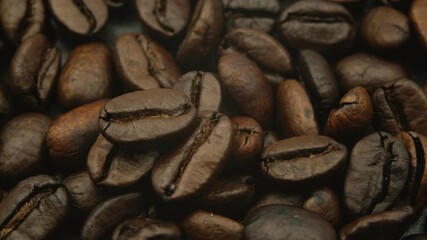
(213, 119)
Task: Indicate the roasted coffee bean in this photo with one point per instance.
(416, 189)
(270, 137)
(384, 29)
(325, 202)
(303, 160)
(33, 209)
(295, 114)
(274, 222)
(248, 86)
(295, 199)
(259, 14)
(33, 71)
(368, 71)
(261, 48)
(72, 134)
(419, 19)
(376, 174)
(147, 228)
(193, 165)
(164, 17)
(323, 26)
(7, 110)
(208, 226)
(114, 167)
(145, 116)
(84, 194)
(23, 148)
(81, 17)
(353, 115)
(383, 225)
(203, 34)
(401, 106)
(320, 81)
(86, 76)
(110, 213)
(21, 19)
(143, 64)
(203, 88)
(248, 142)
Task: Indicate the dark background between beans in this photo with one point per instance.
(242, 194)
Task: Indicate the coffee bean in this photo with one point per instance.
(319, 25)
(33, 71)
(110, 213)
(114, 167)
(320, 81)
(248, 86)
(295, 199)
(368, 71)
(353, 115)
(259, 14)
(273, 222)
(193, 165)
(385, 29)
(23, 147)
(33, 209)
(86, 76)
(208, 226)
(326, 203)
(143, 64)
(146, 228)
(295, 114)
(164, 17)
(203, 34)
(382, 225)
(81, 17)
(146, 116)
(72, 134)
(203, 88)
(376, 174)
(21, 19)
(270, 137)
(303, 160)
(418, 19)
(401, 106)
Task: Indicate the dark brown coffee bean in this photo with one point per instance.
(114, 167)
(376, 174)
(193, 165)
(303, 160)
(143, 64)
(84, 194)
(383, 225)
(270, 137)
(320, 81)
(72, 134)
(367, 71)
(248, 141)
(164, 17)
(33, 209)
(419, 19)
(258, 14)
(203, 34)
(146, 116)
(208, 226)
(274, 222)
(23, 148)
(295, 114)
(401, 106)
(86, 76)
(385, 29)
(353, 115)
(325, 202)
(110, 213)
(33, 71)
(248, 86)
(295, 199)
(147, 228)
(319, 25)
(21, 19)
(80, 17)
(203, 88)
